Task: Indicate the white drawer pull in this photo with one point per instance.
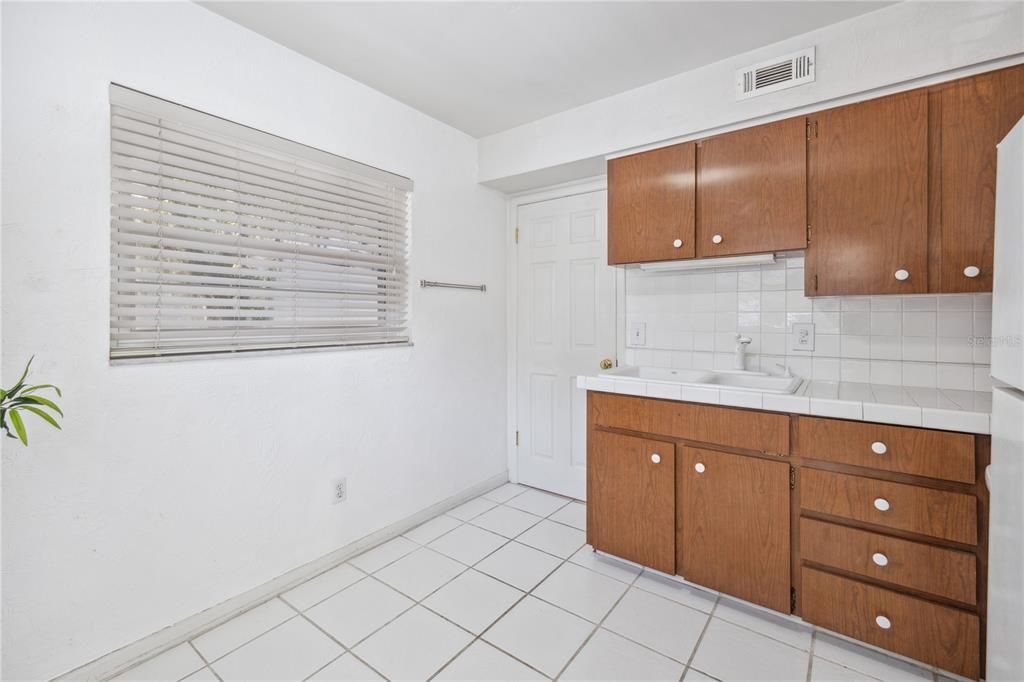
(883, 622)
(699, 467)
(972, 271)
(880, 559)
(902, 275)
(677, 243)
(879, 448)
(717, 239)
(656, 458)
(882, 504)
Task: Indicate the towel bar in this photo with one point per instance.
(449, 285)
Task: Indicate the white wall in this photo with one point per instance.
(692, 318)
(888, 47)
(177, 485)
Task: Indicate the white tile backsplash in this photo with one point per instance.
(920, 341)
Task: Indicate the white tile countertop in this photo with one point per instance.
(933, 408)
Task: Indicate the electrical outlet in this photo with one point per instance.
(638, 334)
(340, 490)
(803, 336)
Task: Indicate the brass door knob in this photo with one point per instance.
(606, 364)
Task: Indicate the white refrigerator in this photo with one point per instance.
(1005, 475)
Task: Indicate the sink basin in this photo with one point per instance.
(735, 381)
(678, 376)
(755, 382)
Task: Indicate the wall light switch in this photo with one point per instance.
(803, 336)
(638, 334)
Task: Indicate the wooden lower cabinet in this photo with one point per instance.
(733, 525)
(887, 545)
(631, 499)
(939, 571)
(915, 509)
(940, 635)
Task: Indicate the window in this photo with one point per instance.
(225, 239)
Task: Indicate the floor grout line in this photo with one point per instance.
(526, 593)
(810, 658)
(700, 637)
(597, 626)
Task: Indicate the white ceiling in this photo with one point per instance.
(484, 67)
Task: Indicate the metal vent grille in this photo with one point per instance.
(775, 74)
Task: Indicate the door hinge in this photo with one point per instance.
(517, 235)
(792, 599)
(792, 478)
(812, 130)
(517, 439)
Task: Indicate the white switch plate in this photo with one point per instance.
(803, 336)
(638, 334)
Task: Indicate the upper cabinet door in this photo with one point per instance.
(651, 199)
(968, 118)
(868, 185)
(752, 190)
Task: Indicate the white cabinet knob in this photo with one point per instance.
(883, 622)
(656, 458)
(902, 275)
(677, 243)
(880, 559)
(882, 504)
(878, 447)
(971, 271)
(717, 239)
(699, 467)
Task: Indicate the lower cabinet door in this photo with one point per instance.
(631, 499)
(733, 521)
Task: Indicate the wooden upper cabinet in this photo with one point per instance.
(752, 190)
(733, 525)
(651, 205)
(868, 187)
(631, 498)
(968, 118)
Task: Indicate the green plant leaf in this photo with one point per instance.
(19, 426)
(24, 374)
(40, 401)
(44, 415)
(39, 387)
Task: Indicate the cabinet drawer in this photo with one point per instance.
(938, 635)
(722, 426)
(937, 513)
(944, 572)
(936, 454)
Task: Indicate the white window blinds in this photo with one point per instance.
(225, 239)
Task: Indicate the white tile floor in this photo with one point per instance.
(503, 588)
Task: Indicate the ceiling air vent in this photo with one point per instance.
(775, 74)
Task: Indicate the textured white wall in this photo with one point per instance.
(177, 485)
(888, 47)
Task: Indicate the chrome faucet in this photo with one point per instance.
(741, 351)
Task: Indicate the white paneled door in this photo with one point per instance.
(566, 327)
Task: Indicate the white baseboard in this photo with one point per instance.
(122, 659)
